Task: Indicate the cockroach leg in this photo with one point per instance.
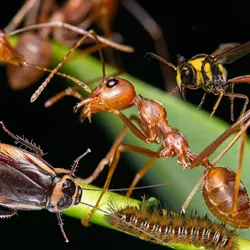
(7, 214)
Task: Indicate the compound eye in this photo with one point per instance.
(69, 187)
(186, 76)
(111, 82)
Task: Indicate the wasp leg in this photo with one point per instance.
(202, 100)
(7, 214)
(31, 146)
(216, 105)
(241, 96)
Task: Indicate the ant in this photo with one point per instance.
(224, 193)
(115, 94)
(208, 73)
(34, 47)
(10, 55)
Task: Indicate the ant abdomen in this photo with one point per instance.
(219, 190)
(35, 50)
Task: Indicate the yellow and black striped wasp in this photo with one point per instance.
(207, 72)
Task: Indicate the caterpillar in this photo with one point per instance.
(157, 225)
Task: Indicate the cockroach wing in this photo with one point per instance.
(25, 180)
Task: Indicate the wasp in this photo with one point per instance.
(28, 182)
(208, 73)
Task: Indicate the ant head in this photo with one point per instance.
(113, 93)
(116, 93)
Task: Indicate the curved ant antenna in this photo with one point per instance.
(150, 54)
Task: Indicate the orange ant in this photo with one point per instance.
(225, 195)
(35, 47)
(115, 94)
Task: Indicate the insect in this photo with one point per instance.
(101, 14)
(34, 47)
(225, 195)
(208, 73)
(9, 54)
(30, 183)
(170, 228)
(115, 94)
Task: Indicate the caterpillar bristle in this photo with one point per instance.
(157, 225)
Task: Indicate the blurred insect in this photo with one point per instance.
(30, 183)
(9, 54)
(207, 72)
(34, 47)
(100, 14)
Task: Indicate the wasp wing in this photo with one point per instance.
(228, 53)
(24, 179)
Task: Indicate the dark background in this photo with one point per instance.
(189, 28)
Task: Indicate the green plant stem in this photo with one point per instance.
(120, 201)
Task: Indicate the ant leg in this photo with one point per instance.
(217, 142)
(103, 108)
(239, 171)
(121, 148)
(191, 195)
(47, 80)
(17, 19)
(217, 104)
(241, 96)
(108, 158)
(67, 92)
(36, 149)
(7, 214)
(60, 223)
(139, 176)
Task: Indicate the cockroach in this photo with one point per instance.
(28, 182)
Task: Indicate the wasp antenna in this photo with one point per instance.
(150, 54)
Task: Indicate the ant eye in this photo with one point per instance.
(111, 83)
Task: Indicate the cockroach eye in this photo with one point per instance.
(111, 83)
(64, 203)
(69, 187)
